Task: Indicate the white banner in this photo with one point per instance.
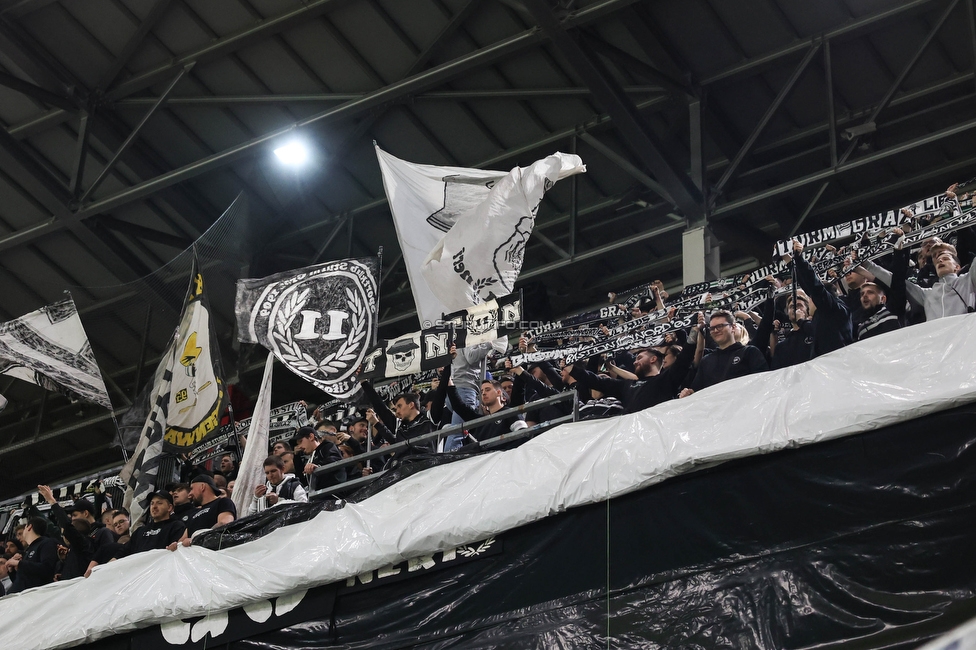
(425, 201)
(481, 256)
(251, 472)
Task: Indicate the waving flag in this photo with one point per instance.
(481, 256)
(186, 402)
(318, 321)
(426, 201)
(49, 347)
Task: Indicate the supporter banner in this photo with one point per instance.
(319, 320)
(49, 347)
(424, 350)
(923, 211)
(389, 391)
(481, 256)
(140, 472)
(585, 318)
(483, 323)
(284, 421)
(198, 396)
(251, 471)
(426, 201)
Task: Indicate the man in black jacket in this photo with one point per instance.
(877, 318)
(832, 327)
(653, 386)
(730, 360)
(78, 536)
(797, 344)
(491, 402)
(162, 531)
(37, 564)
(318, 454)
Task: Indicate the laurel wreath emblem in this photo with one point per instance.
(471, 550)
(333, 364)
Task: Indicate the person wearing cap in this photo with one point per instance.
(183, 507)
(75, 532)
(729, 360)
(318, 454)
(39, 561)
(100, 535)
(213, 509)
(162, 531)
(654, 383)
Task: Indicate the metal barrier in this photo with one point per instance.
(439, 434)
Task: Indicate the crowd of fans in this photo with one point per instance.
(816, 318)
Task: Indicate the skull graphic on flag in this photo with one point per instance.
(402, 355)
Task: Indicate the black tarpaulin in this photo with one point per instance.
(862, 542)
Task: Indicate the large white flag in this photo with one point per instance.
(463, 231)
(480, 257)
(251, 472)
(425, 201)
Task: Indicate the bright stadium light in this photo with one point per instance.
(294, 153)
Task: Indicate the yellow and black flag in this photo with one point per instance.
(186, 402)
(198, 396)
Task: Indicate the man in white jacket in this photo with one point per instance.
(280, 487)
(951, 295)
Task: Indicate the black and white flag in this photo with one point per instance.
(481, 256)
(487, 321)
(410, 354)
(49, 347)
(318, 321)
(463, 231)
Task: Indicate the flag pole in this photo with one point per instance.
(379, 282)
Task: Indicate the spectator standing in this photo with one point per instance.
(729, 361)
(39, 561)
(280, 487)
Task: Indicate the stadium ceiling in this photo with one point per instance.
(129, 126)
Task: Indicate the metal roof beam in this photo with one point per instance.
(146, 26)
(825, 174)
(160, 101)
(882, 105)
(384, 96)
(319, 98)
(36, 92)
(747, 146)
(226, 45)
(623, 112)
(142, 232)
(758, 63)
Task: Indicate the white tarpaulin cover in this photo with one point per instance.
(879, 382)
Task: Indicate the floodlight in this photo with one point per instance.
(294, 153)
